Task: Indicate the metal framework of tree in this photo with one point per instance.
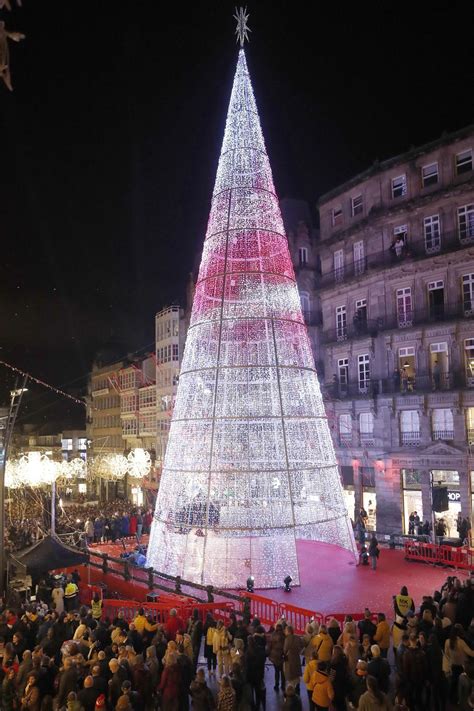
(250, 465)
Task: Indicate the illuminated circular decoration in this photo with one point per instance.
(110, 467)
(12, 477)
(139, 463)
(36, 469)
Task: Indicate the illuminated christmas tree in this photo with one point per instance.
(250, 465)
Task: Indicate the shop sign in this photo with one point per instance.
(454, 495)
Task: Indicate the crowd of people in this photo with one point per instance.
(65, 657)
(98, 522)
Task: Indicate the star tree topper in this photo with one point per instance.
(242, 29)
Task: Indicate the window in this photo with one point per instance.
(469, 361)
(129, 427)
(305, 304)
(429, 174)
(363, 368)
(436, 299)
(366, 427)
(401, 230)
(442, 423)
(466, 223)
(468, 294)
(404, 308)
(341, 323)
(148, 424)
(339, 265)
(303, 256)
(432, 234)
(336, 216)
(399, 186)
(345, 428)
(470, 425)
(343, 372)
(360, 316)
(128, 379)
(66, 445)
(82, 443)
(128, 403)
(359, 258)
(175, 351)
(410, 427)
(464, 161)
(357, 205)
(147, 397)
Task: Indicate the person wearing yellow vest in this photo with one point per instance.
(403, 603)
(140, 620)
(71, 592)
(96, 606)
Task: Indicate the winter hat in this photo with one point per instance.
(100, 702)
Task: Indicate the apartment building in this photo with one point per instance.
(104, 426)
(395, 349)
(171, 325)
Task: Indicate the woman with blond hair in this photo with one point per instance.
(221, 647)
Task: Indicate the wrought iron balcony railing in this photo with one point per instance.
(418, 383)
(410, 439)
(428, 314)
(416, 248)
(447, 435)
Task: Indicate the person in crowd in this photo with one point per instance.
(366, 626)
(201, 695)
(276, 655)
(374, 699)
(323, 692)
(221, 642)
(374, 551)
(382, 634)
(292, 649)
(379, 668)
(226, 696)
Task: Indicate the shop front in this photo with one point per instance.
(412, 498)
(348, 490)
(450, 480)
(369, 498)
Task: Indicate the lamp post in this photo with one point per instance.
(16, 396)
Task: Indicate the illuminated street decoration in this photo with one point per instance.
(110, 467)
(36, 469)
(139, 463)
(250, 465)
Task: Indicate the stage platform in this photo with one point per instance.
(331, 582)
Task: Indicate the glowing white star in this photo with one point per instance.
(242, 29)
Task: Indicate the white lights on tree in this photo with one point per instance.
(250, 466)
(139, 463)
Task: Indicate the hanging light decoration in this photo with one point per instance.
(139, 463)
(36, 469)
(110, 467)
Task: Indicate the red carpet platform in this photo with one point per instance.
(330, 580)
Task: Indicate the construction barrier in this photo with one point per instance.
(462, 558)
(263, 608)
(160, 611)
(299, 617)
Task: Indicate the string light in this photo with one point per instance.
(58, 391)
(250, 466)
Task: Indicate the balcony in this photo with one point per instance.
(345, 439)
(419, 383)
(418, 248)
(367, 439)
(447, 435)
(428, 314)
(410, 439)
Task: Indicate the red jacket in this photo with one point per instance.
(170, 682)
(133, 525)
(175, 624)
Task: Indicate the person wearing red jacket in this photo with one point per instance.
(174, 625)
(133, 524)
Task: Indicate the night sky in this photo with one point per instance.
(110, 141)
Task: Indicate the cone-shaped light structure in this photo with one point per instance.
(250, 465)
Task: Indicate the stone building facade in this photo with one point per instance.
(395, 348)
